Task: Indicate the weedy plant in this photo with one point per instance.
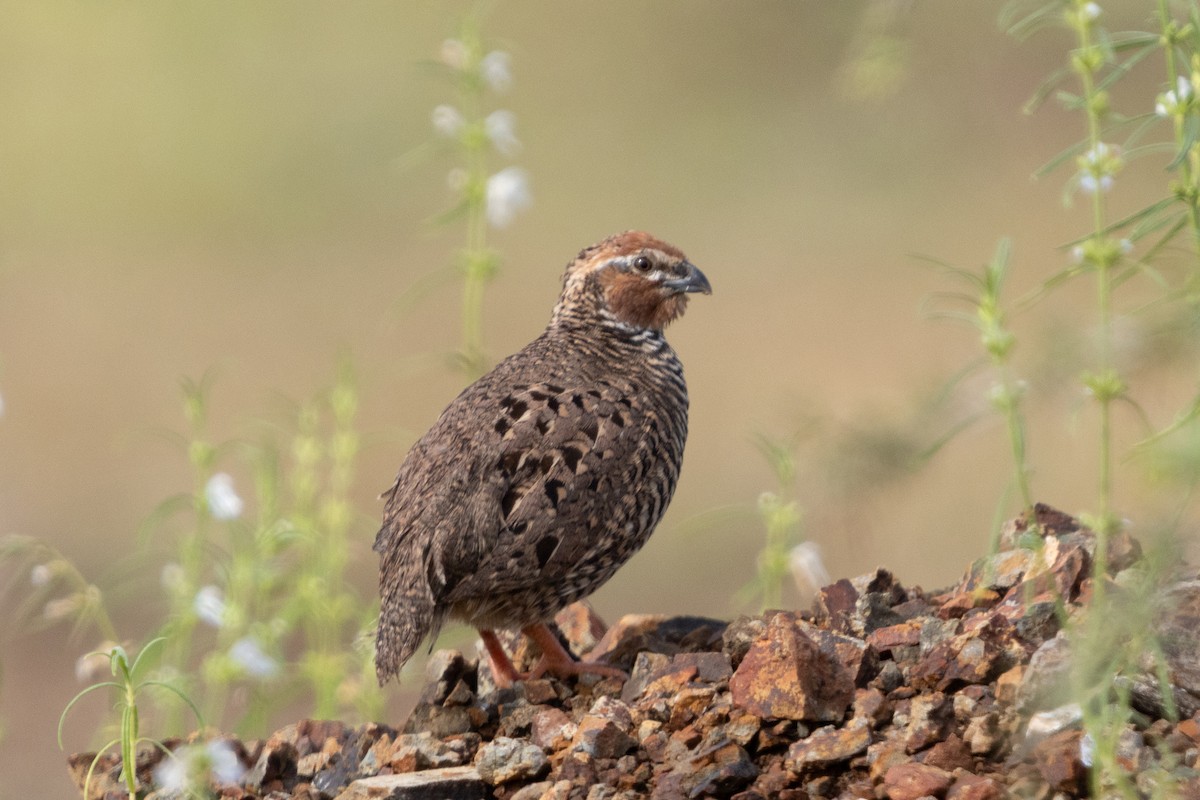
(1116, 637)
(257, 608)
(128, 688)
(483, 198)
(781, 518)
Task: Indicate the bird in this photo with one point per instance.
(549, 472)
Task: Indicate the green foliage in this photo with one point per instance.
(482, 197)
(781, 517)
(128, 689)
(251, 588)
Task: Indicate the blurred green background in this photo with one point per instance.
(227, 185)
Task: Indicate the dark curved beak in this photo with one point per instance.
(692, 281)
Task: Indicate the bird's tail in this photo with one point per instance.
(405, 618)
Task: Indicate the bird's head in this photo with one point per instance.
(632, 279)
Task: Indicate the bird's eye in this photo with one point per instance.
(642, 264)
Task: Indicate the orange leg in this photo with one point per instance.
(555, 660)
(558, 662)
(503, 670)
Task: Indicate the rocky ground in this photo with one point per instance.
(880, 691)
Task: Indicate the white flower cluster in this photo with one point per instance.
(507, 192)
(1175, 102)
(223, 502)
(1097, 167)
(191, 768)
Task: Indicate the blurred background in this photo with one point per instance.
(247, 189)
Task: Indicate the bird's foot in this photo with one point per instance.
(558, 662)
(555, 660)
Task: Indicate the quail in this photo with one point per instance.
(548, 473)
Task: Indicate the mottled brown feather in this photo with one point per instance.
(544, 476)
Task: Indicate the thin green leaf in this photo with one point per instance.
(1031, 23)
(1135, 217)
(87, 781)
(1167, 237)
(1191, 129)
(146, 648)
(178, 693)
(1122, 69)
(1044, 90)
(63, 716)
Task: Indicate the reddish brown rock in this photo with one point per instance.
(784, 675)
(968, 786)
(950, 755)
(913, 781)
(904, 634)
(1059, 761)
(829, 745)
(552, 729)
(930, 719)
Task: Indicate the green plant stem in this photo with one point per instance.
(1189, 165)
(1103, 268)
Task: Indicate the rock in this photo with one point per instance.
(1059, 762)
(454, 783)
(829, 745)
(534, 791)
(602, 738)
(503, 760)
(581, 626)
(968, 786)
(414, 752)
(950, 755)
(983, 735)
(930, 719)
(443, 671)
(552, 729)
(784, 675)
(913, 781)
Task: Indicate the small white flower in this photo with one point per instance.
(507, 195)
(501, 128)
(1092, 10)
(40, 575)
(171, 774)
(1077, 254)
(496, 70)
(1098, 153)
(1174, 101)
(223, 501)
(249, 655)
(1090, 184)
(808, 570)
(192, 767)
(209, 605)
(1126, 246)
(223, 762)
(454, 54)
(447, 120)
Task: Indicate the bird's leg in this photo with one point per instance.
(557, 661)
(503, 671)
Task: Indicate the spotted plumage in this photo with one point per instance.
(544, 476)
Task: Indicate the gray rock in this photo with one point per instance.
(453, 783)
(503, 759)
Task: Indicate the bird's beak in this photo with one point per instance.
(693, 281)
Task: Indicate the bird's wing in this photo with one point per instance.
(563, 453)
